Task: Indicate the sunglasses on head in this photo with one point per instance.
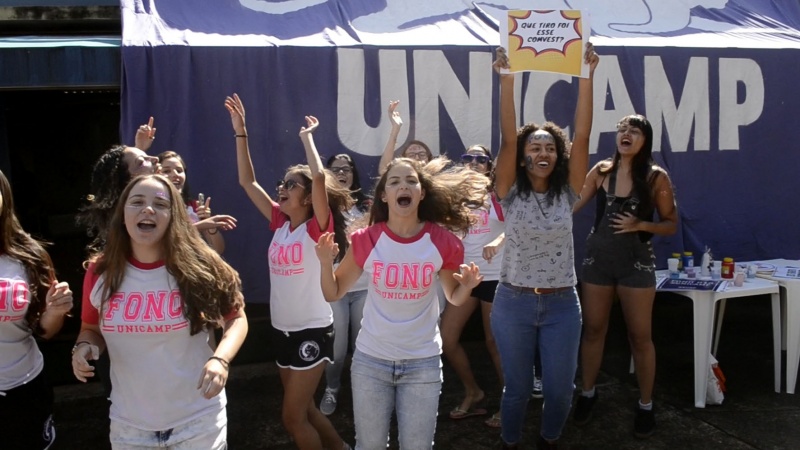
(287, 184)
(343, 169)
(468, 159)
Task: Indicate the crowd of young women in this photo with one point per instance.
(494, 233)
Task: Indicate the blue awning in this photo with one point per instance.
(37, 62)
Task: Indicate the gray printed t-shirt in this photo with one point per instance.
(539, 248)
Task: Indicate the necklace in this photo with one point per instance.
(539, 203)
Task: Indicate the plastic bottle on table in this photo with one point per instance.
(728, 268)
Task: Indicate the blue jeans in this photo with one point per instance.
(347, 314)
(409, 387)
(521, 321)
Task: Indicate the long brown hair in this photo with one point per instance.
(29, 252)
(451, 193)
(209, 287)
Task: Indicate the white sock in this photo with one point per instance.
(589, 393)
(646, 406)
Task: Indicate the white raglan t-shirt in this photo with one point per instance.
(488, 226)
(155, 363)
(20, 358)
(401, 313)
(295, 296)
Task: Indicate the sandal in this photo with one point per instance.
(494, 422)
(457, 413)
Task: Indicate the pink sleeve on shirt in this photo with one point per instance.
(497, 208)
(89, 313)
(363, 241)
(312, 226)
(278, 218)
(450, 247)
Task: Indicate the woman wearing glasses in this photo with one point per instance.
(482, 245)
(416, 150)
(348, 311)
(309, 203)
(620, 261)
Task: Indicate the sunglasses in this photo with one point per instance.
(287, 184)
(468, 159)
(344, 169)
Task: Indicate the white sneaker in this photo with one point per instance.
(537, 388)
(328, 403)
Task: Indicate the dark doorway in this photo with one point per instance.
(52, 138)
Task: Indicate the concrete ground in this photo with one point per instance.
(753, 416)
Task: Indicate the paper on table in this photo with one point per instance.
(787, 272)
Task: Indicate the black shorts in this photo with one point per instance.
(27, 412)
(485, 291)
(304, 349)
(631, 265)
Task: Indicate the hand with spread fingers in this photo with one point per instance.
(625, 223)
(235, 107)
(145, 135)
(469, 275)
(219, 222)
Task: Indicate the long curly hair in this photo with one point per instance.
(110, 175)
(559, 178)
(209, 287)
(29, 252)
(185, 192)
(643, 168)
(451, 193)
(361, 199)
(339, 202)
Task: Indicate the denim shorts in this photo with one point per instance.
(209, 431)
(304, 349)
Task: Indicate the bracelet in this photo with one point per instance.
(240, 135)
(215, 231)
(222, 361)
(77, 344)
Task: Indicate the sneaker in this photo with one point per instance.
(645, 423)
(537, 388)
(583, 409)
(328, 403)
(544, 445)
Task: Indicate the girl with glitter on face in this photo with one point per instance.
(536, 305)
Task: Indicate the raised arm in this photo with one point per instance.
(391, 143)
(319, 193)
(336, 283)
(244, 165)
(579, 153)
(505, 169)
(589, 189)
